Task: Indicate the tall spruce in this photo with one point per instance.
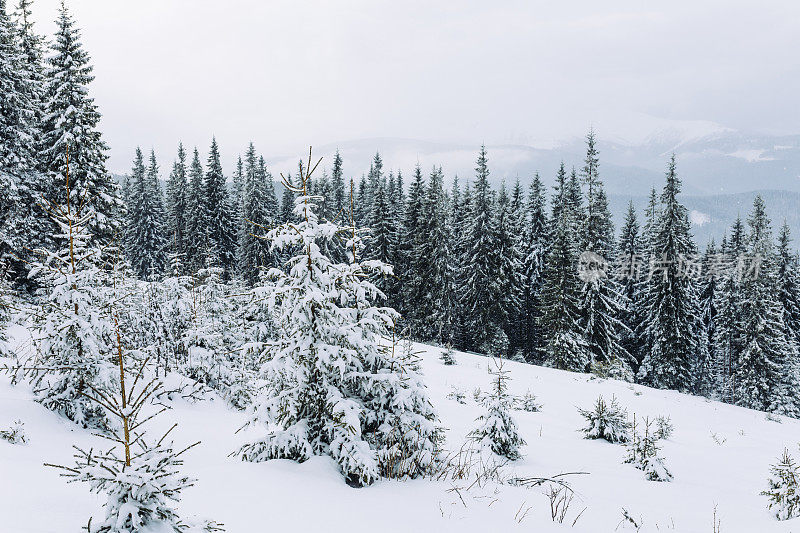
(71, 136)
(176, 199)
(671, 307)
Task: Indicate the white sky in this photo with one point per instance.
(287, 74)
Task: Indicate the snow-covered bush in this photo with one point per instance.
(331, 387)
(457, 395)
(497, 431)
(784, 488)
(607, 421)
(615, 369)
(447, 356)
(643, 453)
(528, 403)
(72, 330)
(664, 427)
(15, 434)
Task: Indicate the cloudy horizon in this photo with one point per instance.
(522, 73)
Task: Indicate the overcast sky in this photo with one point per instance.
(287, 74)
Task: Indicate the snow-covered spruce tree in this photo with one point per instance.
(447, 356)
(629, 254)
(497, 430)
(73, 328)
(410, 253)
(728, 321)
(196, 225)
(704, 371)
(672, 320)
(436, 273)
(643, 453)
(608, 421)
(482, 297)
(765, 376)
(70, 135)
(784, 488)
(566, 346)
(259, 212)
(602, 301)
(219, 224)
(534, 250)
(788, 280)
(331, 387)
(208, 337)
(142, 479)
(175, 206)
(145, 240)
(509, 265)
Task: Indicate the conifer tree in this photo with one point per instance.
(219, 224)
(434, 263)
(766, 370)
(74, 330)
(259, 211)
(497, 430)
(630, 259)
(534, 249)
(509, 271)
(145, 240)
(482, 299)
(176, 209)
(332, 389)
(602, 303)
(71, 136)
(339, 204)
(409, 256)
(705, 372)
(196, 241)
(671, 308)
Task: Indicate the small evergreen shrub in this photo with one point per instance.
(608, 421)
(448, 357)
(528, 403)
(664, 428)
(15, 434)
(784, 490)
(497, 430)
(457, 395)
(643, 454)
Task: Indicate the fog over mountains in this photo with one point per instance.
(722, 169)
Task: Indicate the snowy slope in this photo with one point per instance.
(719, 455)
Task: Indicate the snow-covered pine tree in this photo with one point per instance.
(602, 300)
(196, 240)
(765, 376)
(534, 249)
(607, 421)
(70, 134)
(381, 240)
(643, 453)
(433, 263)
(497, 430)
(784, 488)
(482, 297)
(219, 222)
(509, 265)
(704, 371)
(176, 198)
(566, 346)
(287, 201)
(21, 186)
(145, 240)
(409, 259)
(339, 203)
(142, 480)
(73, 329)
(259, 212)
(332, 389)
(671, 309)
(788, 267)
(630, 258)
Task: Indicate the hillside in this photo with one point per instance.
(719, 456)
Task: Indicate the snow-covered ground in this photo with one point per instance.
(718, 454)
